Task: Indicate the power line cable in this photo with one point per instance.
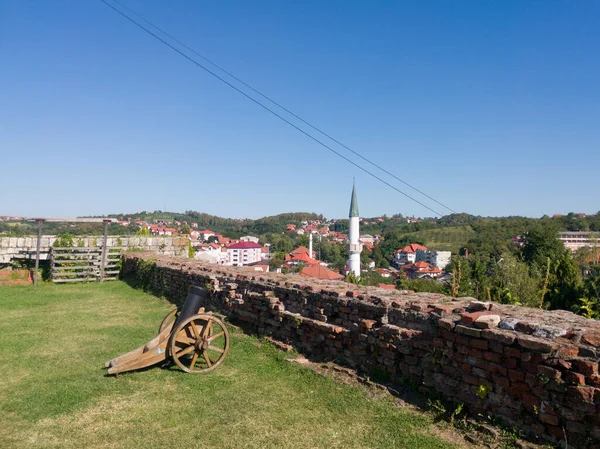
(265, 107)
(170, 36)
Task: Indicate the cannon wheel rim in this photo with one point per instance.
(168, 319)
(196, 339)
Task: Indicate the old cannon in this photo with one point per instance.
(196, 340)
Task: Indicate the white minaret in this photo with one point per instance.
(353, 236)
(310, 244)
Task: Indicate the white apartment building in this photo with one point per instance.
(574, 240)
(438, 259)
(243, 253)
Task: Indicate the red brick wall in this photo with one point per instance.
(533, 369)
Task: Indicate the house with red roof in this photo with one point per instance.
(302, 249)
(300, 258)
(321, 272)
(408, 254)
(421, 270)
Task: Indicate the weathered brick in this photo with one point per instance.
(526, 327)
(583, 393)
(567, 351)
(446, 323)
(553, 420)
(574, 378)
(496, 368)
(511, 362)
(492, 356)
(469, 318)
(550, 373)
(537, 344)
(502, 336)
(469, 331)
(512, 352)
(496, 346)
(531, 400)
(501, 380)
(368, 324)
(585, 366)
(593, 380)
(462, 340)
(516, 375)
(447, 335)
(591, 338)
(472, 380)
(475, 353)
(479, 344)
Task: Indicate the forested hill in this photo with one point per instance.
(451, 231)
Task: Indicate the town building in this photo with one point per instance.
(574, 240)
(249, 238)
(408, 254)
(438, 259)
(421, 270)
(320, 272)
(243, 253)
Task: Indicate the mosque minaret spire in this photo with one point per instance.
(353, 236)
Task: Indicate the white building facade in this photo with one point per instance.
(243, 253)
(574, 240)
(437, 259)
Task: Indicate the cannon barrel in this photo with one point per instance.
(193, 302)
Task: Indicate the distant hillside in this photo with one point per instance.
(445, 239)
(230, 227)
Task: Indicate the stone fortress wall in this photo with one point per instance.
(25, 247)
(533, 369)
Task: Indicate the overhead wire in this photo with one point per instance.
(266, 97)
(172, 47)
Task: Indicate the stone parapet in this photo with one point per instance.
(25, 247)
(533, 369)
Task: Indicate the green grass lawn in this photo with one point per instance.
(54, 340)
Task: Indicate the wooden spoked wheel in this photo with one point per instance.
(168, 319)
(199, 344)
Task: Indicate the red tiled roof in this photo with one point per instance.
(300, 250)
(244, 245)
(302, 257)
(320, 272)
(412, 248)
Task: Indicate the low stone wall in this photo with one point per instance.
(532, 369)
(25, 247)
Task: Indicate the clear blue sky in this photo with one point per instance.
(492, 107)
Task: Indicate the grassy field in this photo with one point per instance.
(55, 339)
(446, 239)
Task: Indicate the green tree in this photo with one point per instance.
(564, 286)
(185, 229)
(143, 232)
(513, 283)
(540, 243)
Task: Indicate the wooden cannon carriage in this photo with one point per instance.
(197, 340)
